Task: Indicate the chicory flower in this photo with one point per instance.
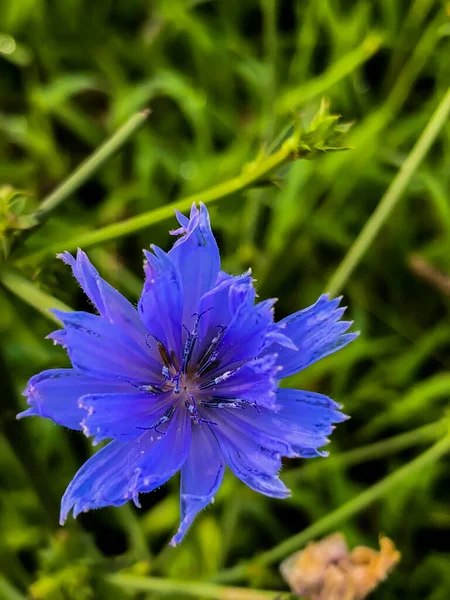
(187, 381)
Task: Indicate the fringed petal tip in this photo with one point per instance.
(76, 509)
(29, 412)
(184, 224)
(194, 506)
(78, 263)
(58, 338)
(187, 224)
(66, 258)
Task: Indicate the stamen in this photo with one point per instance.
(155, 388)
(218, 402)
(191, 405)
(216, 380)
(209, 358)
(187, 352)
(167, 361)
(190, 341)
(163, 419)
(222, 403)
(176, 380)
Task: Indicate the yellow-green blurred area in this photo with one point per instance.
(224, 80)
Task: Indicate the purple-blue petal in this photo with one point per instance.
(161, 303)
(255, 382)
(100, 349)
(88, 278)
(247, 334)
(255, 425)
(302, 422)
(307, 419)
(197, 257)
(201, 477)
(214, 306)
(123, 469)
(122, 416)
(316, 331)
(257, 466)
(110, 303)
(55, 394)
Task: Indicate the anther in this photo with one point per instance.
(190, 341)
(192, 408)
(219, 379)
(209, 358)
(167, 361)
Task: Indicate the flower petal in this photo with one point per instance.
(201, 477)
(197, 257)
(255, 425)
(123, 469)
(255, 382)
(161, 303)
(305, 419)
(249, 330)
(110, 303)
(215, 310)
(299, 426)
(316, 331)
(122, 416)
(102, 350)
(256, 465)
(55, 393)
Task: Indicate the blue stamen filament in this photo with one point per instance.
(186, 383)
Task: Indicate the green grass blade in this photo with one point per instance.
(390, 198)
(30, 293)
(293, 98)
(250, 175)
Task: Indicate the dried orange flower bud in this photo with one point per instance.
(326, 570)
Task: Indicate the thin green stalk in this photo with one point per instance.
(334, 519)
(420, 435)
(8, 592)
(250, 175)
(30, 293)
(13, 567)
(193, 589)
(269, 11)
(391, 197)
(83, 173)
(92, 164)
(337, 71)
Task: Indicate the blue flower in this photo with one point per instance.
(188, 381)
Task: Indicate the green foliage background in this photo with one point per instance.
(223, 78)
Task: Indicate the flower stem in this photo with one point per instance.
(335, 518)
(250, 175)
(85, 171)
(194, 589)
(299, 95)
(93, 163)
(8, 592)
(391, 197)
(30, 293)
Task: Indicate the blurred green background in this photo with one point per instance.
(223, 79)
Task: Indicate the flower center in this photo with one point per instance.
(194, 379)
